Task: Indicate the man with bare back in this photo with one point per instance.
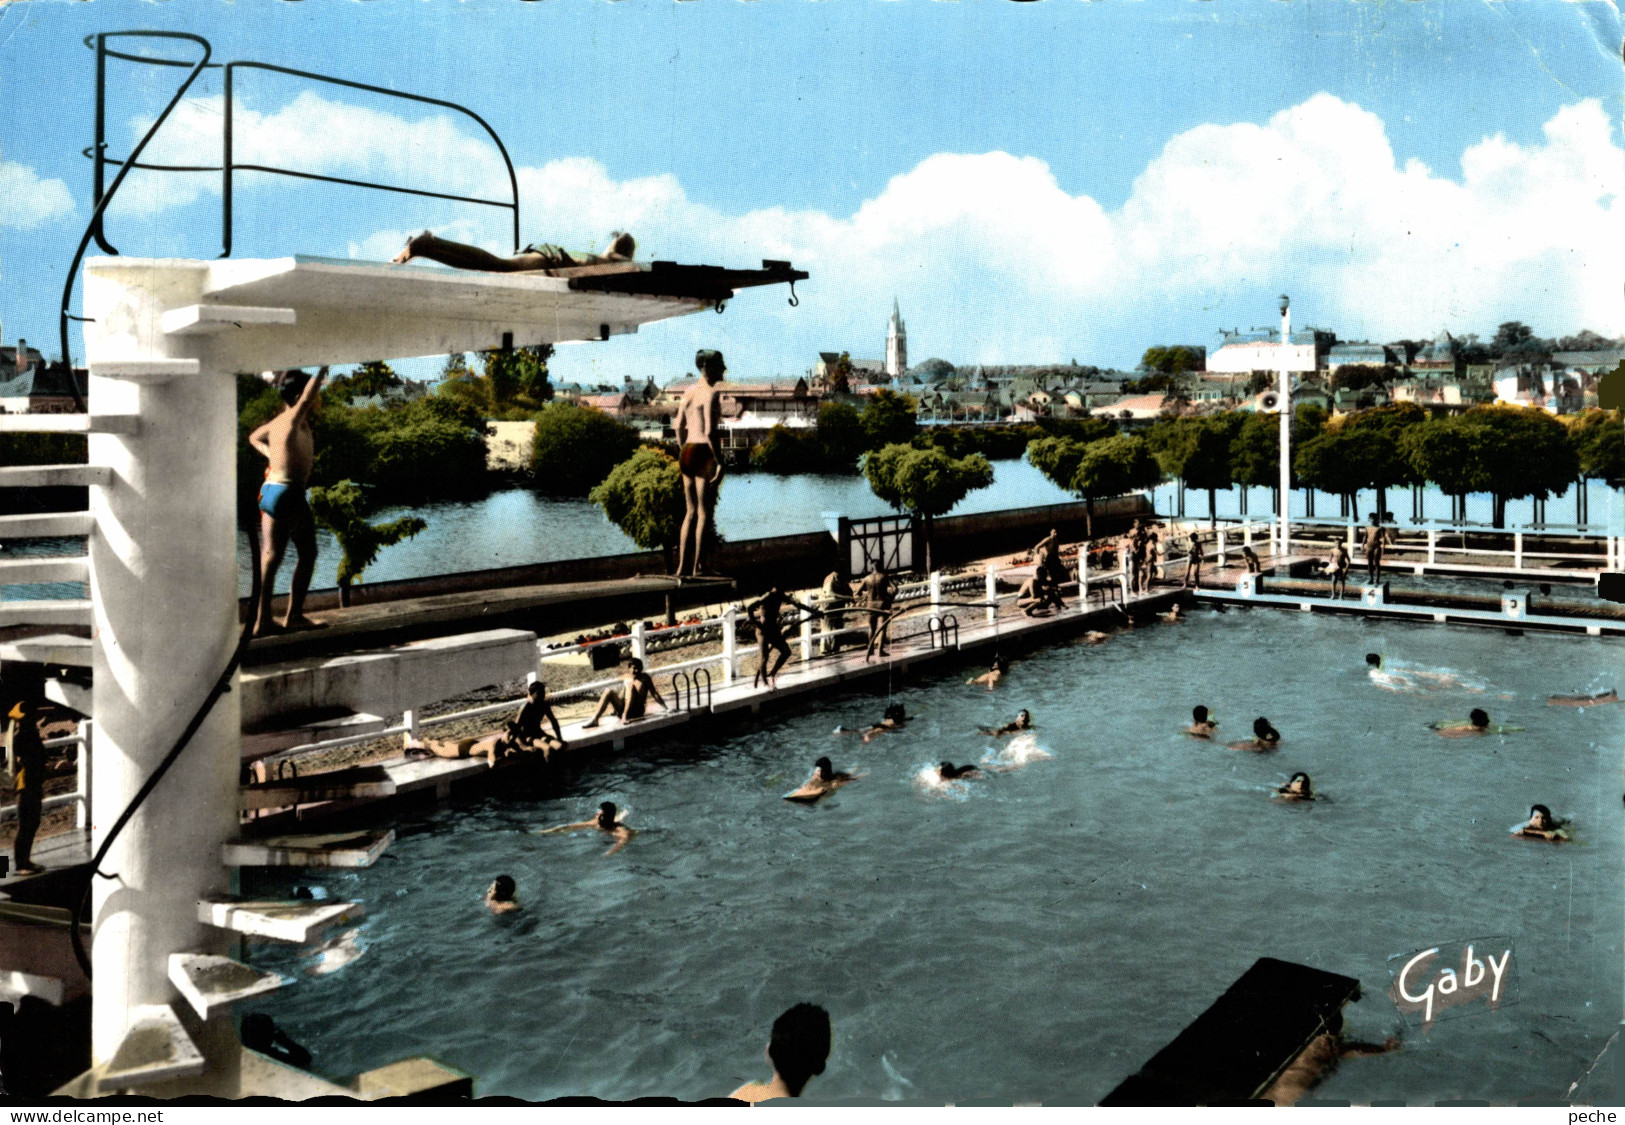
(544, 256)
(697, 416)
(287, 443)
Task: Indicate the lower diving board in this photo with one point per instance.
(1233, 1051)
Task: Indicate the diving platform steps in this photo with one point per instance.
(1235, 1050)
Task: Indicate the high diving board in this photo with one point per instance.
(258, 314)
(1233, 1051)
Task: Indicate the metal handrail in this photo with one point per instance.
(97, 152)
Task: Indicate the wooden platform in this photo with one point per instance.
(1233, 1051)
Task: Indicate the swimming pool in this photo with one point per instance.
(1035, 936)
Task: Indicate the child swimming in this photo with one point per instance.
(1265, 737)
(1202, 726)
(1022, 750)
(1022, 721)
(1476, 723)
(1542, 825)
(825, 780)
(1297, 788)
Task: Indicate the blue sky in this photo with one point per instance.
(1033, 182)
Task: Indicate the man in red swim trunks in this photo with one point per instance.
(702, 468)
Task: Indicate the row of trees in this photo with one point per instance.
(1506, 451)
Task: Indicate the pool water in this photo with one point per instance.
(1035, 936)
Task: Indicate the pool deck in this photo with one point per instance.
(739, 698)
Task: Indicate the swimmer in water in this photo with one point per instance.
(499, 896)
(993, 675)
(947, 771)
(1609, 696)
(1202, 725)
(825, 779)
(1174, 614)
(1542, 825)
(1478, 722)
(1317, 1060)
(607, 821)
(797, 1052)
(893, 721)
(1297, 788)
(1265, 737)
(1022, 721)
(1092, 637)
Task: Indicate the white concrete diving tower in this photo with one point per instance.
(164, 340)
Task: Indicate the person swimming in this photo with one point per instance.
(1265, 737)
(1597, 700)
(499, 896)
(993, 675)
(1022, 721)
(1478, 722)
(1541, 825)
(1297, 788)
(606, 821)
(947, 771)
(825, 779)
(893, 720)
(1202, 726)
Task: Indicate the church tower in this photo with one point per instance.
(896, 344)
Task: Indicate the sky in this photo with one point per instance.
(1033, 183)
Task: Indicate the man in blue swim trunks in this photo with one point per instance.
(287, 443)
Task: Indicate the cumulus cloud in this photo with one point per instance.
(30, 201)
(994, 260)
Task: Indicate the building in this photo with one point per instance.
(1242, 353)
(896, 343)
(1556, 390)
(1441, 354)
(1357, 355)
(1135, 408)
(28, 385)
(750, 413)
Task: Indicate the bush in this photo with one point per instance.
(887, 419)
(576, 447)
(643, 496)
(425, 457)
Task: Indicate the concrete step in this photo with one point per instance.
(51, 525)
(71, 652)
(53, 476)
(207, 320)
(49, 568)
(68, 423)
(364, 782)
(298, 921)
(348, 849)
(210, 982)
(144, 370)
(265, 743)
(75, 697)
(46, 612)
(155, 1048)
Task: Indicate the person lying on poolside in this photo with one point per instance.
(992, 675)
(1022, 721)
(1265, 737)
(1298, 788)
(1609, 696)
(493, 747)
(1478, 722)
(1202, 725)
(947, 771)
(631, 698)
(1542, 825)
(545, 256)
(607, 821)
(499, 896)
(825, 779)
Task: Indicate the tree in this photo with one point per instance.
(643, 496)
(576, 447)
(1529, 455)
(520, 372)
(1599, 444)
(1337, 461)
(342, 509)
(1175, 359)
(371, 378)
(888, 418)
(1259, 382)
(1450, 452)
(456, 367)
(1255, 451)
(1586, 341)
(841, 437)
(840, 379)
(934, 370)
(925, 482)
(1197, 451)
(1510, 334)
(1111, 467)
(1359, 376)
(1386, 464)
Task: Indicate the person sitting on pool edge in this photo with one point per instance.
(1022, 721)
(825, 779)
(1202, 726)
(992, 675)
(606, 821)
(1478, 722)
(526, 733)
(1265, 737)
(1038, 594)
(1297, 788)
(499, 896)
(947, 771)
(546, 256)
(1253, 566)
(1542, 825)
(797, 1051)
(630, 699)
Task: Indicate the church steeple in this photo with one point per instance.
(896, 343)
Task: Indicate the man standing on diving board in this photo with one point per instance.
(698, 459)
(287, 443)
